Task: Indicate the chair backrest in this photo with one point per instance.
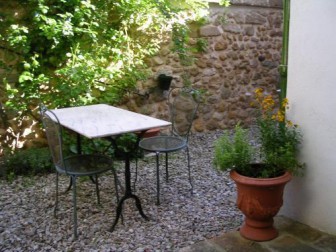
(183, 105)
(53, 131)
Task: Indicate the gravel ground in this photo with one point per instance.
(27, 222)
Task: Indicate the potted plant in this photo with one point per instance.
(261, 171)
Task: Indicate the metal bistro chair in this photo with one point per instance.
(183, 105)
(73, 166)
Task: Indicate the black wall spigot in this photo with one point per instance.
(164, 81)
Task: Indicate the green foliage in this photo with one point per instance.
(279, 147)
(223, 18)
(180, 44)
(88, 146)
(126, 142)
(82, 52)
(225, 3)
(279, 137)
(79, 52)
(181, 31)
(234, 152)
(26, 162)
(279, 142)
(201, 45)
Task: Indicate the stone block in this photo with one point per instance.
(327, 242)
(249, 30)
(212, 125)
(275, 3)
(218, 65)
(235, 47)
(233, 242)
(158, 60)
(243, 114)
(233, 28)
(254, 63)
(222, 56)
(252, 45)
(209, 72)
(220, 45)
(212, 99)
(215, 80)
(297, 229)
(201, 63)
(275, 33)
(255, 18)
(239, 17)
(210, 31)
(289, 243)
(261, 3)
(184, 104)
(222, 107)
(225, 92)
(218, 116)
(164, 51)
(269, 64)
(199, 125)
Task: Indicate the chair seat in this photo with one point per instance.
(86, 165)
(163, 143)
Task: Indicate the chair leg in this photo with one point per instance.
(136, 174)
(69, 186)
(116, 181)
(167, 174)
(56, 198)
(189, 172)
(92, 180)
(116, 184)
(97, 189)
(157, 179)
(74, 202)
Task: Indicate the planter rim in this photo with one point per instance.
(260, 181)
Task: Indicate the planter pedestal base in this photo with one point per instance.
(258, 230)
(260, 199)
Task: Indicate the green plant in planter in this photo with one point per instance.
(234, 151)
(126, 142)
(260, 180)
(278, 143)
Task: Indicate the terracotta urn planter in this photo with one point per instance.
(151, 132)
(260, 199)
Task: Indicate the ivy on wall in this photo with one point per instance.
(77, 52)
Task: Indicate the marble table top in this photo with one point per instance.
(103, 120)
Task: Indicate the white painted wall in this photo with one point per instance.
(312, 96)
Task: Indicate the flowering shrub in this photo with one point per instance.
(278, 138)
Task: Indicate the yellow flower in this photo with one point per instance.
(268, 108)
(279, 116)
(258, 91)
(268, 103)
(289, 123)
(259, 95)
(284, 104)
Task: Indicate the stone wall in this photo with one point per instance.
(244, 48)
(243, 53)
